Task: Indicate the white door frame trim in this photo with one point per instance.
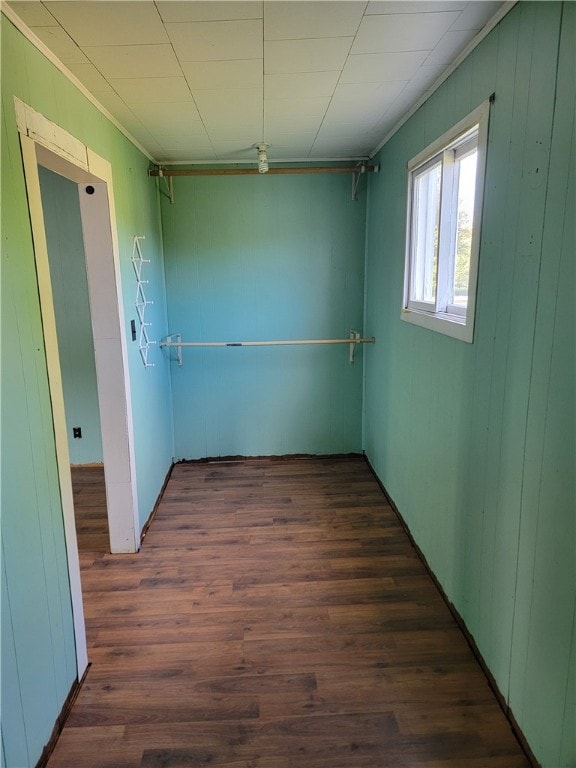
(45, 143)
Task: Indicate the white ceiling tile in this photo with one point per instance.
(448, 48)
(281, 154)
(145, 138)
(384, 127)
(392, 116)
(370, 115)
(423, 79)
(282, 108)
(170, 117)
(109, 23)
(413, 6)
(378, 67)
(246, 133)
(296, 20)
(192, 153)
(303, 85)
(149, 143)
(217, 40)
(91, 78)
(351, 127)
(114, 104)
(292, 139)
(361, 142)
(33, 13)
(61, 44)
(138, 90)
(179, 11)
(174, 139)
(321, 55)
(235, 149)
(476, 15)
(112, 101)
(291, 123)
(184, 142)
(370, 110)
(288, 152)
(348, 145)
(239, 108)
(367, 93)
(293, 115)
(115, 61)
(402, 32)
(247, 99)
(190, 142)
(211, 75)
(329, 150)
(248, 128)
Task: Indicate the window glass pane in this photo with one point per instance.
(425, 231)
(466, 176)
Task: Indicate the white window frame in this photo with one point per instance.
(439, 315)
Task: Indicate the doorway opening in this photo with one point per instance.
(46, 146)
(67, 261)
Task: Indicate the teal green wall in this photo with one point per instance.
(475, 442)
(256, 258)
(61, 206)
(38, 657)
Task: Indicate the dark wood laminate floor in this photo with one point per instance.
(276, 617)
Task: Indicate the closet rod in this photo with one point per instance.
(255, 172)
(354, 340)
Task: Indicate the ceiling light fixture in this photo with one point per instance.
(262, 156)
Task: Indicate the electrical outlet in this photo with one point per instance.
(77, 431)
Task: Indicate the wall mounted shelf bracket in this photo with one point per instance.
(141, 301)
(357, 174)
(168, 179)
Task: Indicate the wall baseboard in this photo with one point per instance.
(61, 720)
(152, 514)
(501, 699)
(273, 457)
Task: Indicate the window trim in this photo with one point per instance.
(457, 323)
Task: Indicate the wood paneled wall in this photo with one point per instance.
(257, 258)
(38, 654)
(475, 442)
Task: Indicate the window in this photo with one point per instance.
(445, 186)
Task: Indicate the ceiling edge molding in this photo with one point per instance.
(45, 51)
(484, 32)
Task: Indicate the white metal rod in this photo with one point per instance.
(264, 343)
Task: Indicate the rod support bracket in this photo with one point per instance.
(355, 336)
(159, 171)
(174, 341)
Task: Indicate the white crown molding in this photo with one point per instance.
(45, 51)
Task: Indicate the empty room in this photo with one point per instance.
(288, 384)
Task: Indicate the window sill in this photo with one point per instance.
(456, 326)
